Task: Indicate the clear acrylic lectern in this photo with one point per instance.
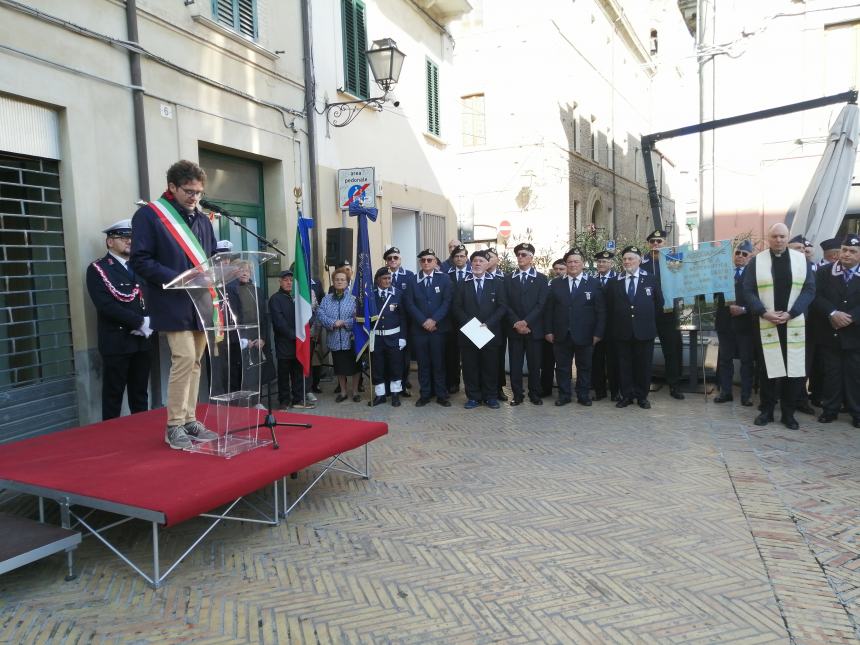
(227, 303)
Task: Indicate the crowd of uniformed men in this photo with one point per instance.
(605, 323)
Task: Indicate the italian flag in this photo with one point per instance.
(302, 294)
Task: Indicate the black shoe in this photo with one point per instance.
(623, 403)
(561, 402)
(585, 402)
(395, 400)
(502, 396)
(805, 408)
(406, 394)
(340, 398)
(445, 403)
(676, 393)
(827, 418)
(535, 400)
(790, 423)
(377, 400)
(645, 404)
(421, 402)
(723, 398)
(763, 418)
(517, 400)
(747, 403)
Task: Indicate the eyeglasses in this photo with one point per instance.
(427, 260)
(393, 257)
(191, 193)
(743, 253)
(657, 241)
(523, 254)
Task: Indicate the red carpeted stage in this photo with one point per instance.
(124, 467)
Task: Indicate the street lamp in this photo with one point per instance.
(385, 62)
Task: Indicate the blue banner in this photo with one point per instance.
(362, 286)
(687, 272)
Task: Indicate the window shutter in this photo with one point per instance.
(432, 98)
(354, 46)
(239, 15)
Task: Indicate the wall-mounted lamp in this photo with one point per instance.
(385, 61)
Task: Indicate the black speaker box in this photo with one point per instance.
(338, 246)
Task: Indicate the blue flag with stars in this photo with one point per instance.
(362, 287)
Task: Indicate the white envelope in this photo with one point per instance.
(479, 335)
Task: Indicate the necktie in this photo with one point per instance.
(131, 273)
(459, 275)
(522, 278)
(847, 276)
(738, 273)
(480, 288)
(603, 281)
(631, 289)
(428, 282)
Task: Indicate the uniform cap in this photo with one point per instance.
(574, 251)
(390, 251)
(427, 252)
(480, 254)
(559, 261)
(797, 239)
(851, 240)
(344, 263)
(632, 249)
(381, 271)
(658, 233)
(524, 246)
(121, 228)
(808, 244)
(458, 249)
(223, 246)
(604, 255)
(745, 245)
(831, 245)
(287, 273)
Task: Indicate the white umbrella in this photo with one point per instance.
(822, 207)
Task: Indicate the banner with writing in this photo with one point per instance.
(687, 272)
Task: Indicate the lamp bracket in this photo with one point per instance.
(342, 113)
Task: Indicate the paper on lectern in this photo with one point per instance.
(477, 333)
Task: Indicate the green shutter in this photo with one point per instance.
(239, 15)
(432, 98)
(355, 70)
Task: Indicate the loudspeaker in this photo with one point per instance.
(338, 246)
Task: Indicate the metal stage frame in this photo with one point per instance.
(71, 518)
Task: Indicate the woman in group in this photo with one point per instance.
(337, 313)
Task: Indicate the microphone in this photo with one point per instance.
(210, 206)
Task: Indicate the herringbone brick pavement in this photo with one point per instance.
(682, 524)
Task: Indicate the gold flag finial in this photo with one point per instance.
(297, 191)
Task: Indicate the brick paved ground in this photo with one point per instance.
(526, 525)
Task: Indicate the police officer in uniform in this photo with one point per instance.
(735, 333)
(481, 296)
(670, 337)
(400, 279)
(575, 322)
(458, 270)
(389, 340)
(837, 300)
(635, 303)
(604, 363)
(428, 302)
(526, 296)
(123, 326)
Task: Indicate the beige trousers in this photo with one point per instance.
(186, 350)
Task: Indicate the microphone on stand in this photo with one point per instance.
(211, 207)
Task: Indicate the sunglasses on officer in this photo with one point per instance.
(743, 253)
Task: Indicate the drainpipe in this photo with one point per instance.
(142, 167)
(310, 108)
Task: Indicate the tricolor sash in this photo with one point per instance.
(796, 329)
(188, 242)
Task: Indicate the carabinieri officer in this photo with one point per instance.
(123, 326)
(389, 340)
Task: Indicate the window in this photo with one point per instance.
(239, 15)
(474, 125)
(355, 71)
(432, 98)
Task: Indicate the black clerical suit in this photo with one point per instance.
(526, 295)
(575, 316)
(839, 349)
(633, 326)
(735, 334)
(604, 366)
(125, 356)
(786, 389)
(485, 301)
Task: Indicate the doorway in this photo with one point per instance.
(404, 235)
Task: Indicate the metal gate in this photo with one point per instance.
(37, 382)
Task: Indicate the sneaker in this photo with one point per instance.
(312, 397)
(196, 431)
(176, 438)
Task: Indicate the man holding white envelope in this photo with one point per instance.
(479, 307)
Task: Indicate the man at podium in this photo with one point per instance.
(170, 236)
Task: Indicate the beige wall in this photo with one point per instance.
(98, 166)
